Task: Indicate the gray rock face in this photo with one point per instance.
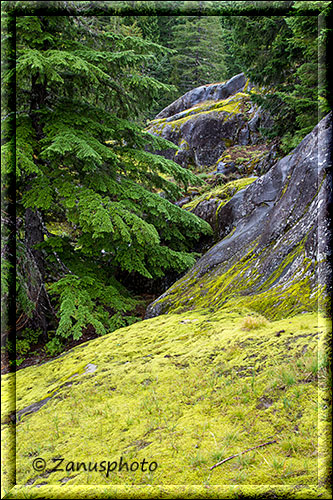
(226, 168)
(213, 92)
(274, 239)
(207, 210)
(207, 120)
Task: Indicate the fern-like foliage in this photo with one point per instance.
(104, 200)
(83, 302)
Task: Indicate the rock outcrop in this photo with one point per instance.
(138, 406)
(273, 246)
(208, 120)
(208, 204)
(214, 92)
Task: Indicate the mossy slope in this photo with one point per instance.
(273, 242)
(238, 361)
(184, 391)
(223, 192)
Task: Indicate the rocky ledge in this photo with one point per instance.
(273, 246)
(208, 120)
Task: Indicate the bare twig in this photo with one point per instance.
(22, 321)
(245, 451)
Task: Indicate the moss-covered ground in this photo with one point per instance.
(184, 391)
(222, 373)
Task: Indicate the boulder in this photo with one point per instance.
(226, 168)
(208, 203)
(273, 241)
(209, 119)
(212, 92)
(206, 210)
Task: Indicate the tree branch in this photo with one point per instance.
(241, 453)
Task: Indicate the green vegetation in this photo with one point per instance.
(186, 391)
(224, 192)
(225, 107)
(286, 53)
(82, 164)
(237, 361)
(253, 322)
(238, 285)
(199, 57)
(23, 345)
(93, 205)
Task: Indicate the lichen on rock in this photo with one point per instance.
(210, 119)
(273, 239)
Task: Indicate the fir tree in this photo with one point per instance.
(94, 203)
(284, 53)
(200, 57)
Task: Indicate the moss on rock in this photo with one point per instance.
(233, 105)
(242, 284)
(184, 391)
(208, 127)
(224, 192)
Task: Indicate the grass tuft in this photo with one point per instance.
(254, 322)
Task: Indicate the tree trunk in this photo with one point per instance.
(35, 311)
(34, 271)
(33, 235)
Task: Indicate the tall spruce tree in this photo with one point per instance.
(200, 56)
(93, 203)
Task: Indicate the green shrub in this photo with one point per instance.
(29, 337)
(53, 347)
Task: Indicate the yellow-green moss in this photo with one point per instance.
(298, 491)
(183, 145)
(232, 105)
(184, 391)
(244, 154)
(246, 85)
(224, 192)
(241, 284)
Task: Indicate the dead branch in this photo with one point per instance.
(241, 453)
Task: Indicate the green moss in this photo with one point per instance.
(187, 390)
(157, 121)
(183, 390)
(240, 284)
(183, 146)
(224, 192)
(228, 142)
(298, 491)
(232, 105)
(246, 85)
(244, 156)
(158, 127)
